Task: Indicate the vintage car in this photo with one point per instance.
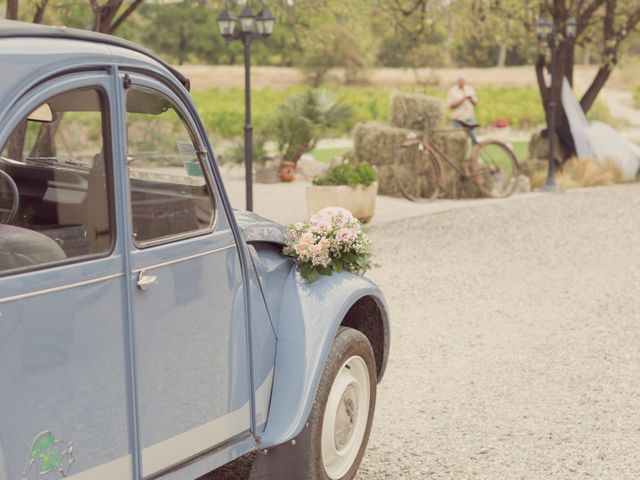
(147, 330)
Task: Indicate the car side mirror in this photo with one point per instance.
(42, 114)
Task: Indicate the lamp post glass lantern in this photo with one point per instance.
(227, 23)
(265, 22)
(546, 33)
(251, 26)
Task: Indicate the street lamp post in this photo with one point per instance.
(547, 33)
(252, 27)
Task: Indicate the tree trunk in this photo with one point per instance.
(15, 145)
(45, 145)
(12, 10)
(562, 68)
(502, 56)
(40, 8)
(182, 45)
(592, 92)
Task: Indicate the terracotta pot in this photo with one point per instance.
(359, 200)
(287, 172)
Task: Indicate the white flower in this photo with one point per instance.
(345, 235)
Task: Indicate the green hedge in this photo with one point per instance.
(222, 111)
(636, 96)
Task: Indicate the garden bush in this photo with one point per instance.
(303, 119)
(348, 174)
(636, 96)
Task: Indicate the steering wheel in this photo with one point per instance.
(7, 185)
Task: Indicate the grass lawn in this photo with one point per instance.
(326, 155)
(521, 149)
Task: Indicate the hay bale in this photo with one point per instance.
(415, 111)
(377, 143)
(386, 181)
(453, 145)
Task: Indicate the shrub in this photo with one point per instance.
(303, 119)
(260, 154)
(636, 96)
(348, 174)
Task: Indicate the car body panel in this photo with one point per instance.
(56, 369)
(256, 228)
(310, 317)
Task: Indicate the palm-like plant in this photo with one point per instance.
(304, 118)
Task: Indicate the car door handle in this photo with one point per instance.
(145, 280)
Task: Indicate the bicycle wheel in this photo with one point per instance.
(494, 169)
(417, 174)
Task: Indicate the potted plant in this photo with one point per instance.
(264, 173)
(301, 121)
(350, 186)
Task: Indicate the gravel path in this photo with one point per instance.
(516, 341)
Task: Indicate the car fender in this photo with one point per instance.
(311, 314)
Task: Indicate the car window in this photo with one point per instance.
(170, 195)
(54, 194)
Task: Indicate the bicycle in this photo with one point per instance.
(418, 164)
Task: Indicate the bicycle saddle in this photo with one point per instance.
(468, 125)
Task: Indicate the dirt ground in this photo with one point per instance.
(204, 76)
(515, 341)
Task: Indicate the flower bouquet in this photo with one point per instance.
(332, 240)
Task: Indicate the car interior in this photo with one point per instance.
(55, 201)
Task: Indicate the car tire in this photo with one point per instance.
(342, 414)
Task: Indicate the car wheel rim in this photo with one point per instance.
(345, 417)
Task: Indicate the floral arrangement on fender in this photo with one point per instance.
(332, 240)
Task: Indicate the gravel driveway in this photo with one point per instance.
(516, 341)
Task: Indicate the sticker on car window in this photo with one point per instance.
(189, 158)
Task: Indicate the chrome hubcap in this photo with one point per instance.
(345, 417)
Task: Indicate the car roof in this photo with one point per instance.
(13, 29)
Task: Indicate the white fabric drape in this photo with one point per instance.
(599, 140)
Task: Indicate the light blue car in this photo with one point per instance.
(146, 329)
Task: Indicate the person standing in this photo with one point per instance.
(462, 101)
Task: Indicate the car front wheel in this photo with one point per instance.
(341, 418)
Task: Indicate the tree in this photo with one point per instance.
(504, 25)
(331, 34)
(107, 18)
(605, 22)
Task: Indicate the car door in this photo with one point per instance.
(63, 334)
(188, 310)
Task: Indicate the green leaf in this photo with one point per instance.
(338, 266)
(312, 276)
(362, 263)
(325, 271)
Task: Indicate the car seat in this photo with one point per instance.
(21, 247)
